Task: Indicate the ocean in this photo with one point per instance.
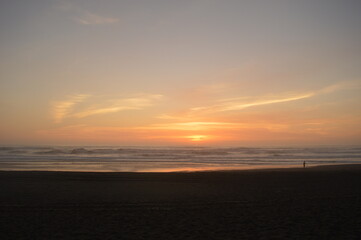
(169, 159)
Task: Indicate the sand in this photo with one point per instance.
(311, 203)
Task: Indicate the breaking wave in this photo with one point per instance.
(143, 159)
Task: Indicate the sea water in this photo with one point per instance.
(167, 159)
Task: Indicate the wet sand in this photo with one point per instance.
(312, 203)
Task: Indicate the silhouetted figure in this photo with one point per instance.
(304, 164)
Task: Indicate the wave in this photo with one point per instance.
(146, 158)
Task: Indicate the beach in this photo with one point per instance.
(292, 203)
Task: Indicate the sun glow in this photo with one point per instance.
(197, 138)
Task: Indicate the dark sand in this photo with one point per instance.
(311, 203)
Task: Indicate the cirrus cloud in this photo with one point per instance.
(66, 108)
(134, 103)
(88, 18)
(61, 109)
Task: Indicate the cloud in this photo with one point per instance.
(190, 126)
(89, 18)
(240, 103)
(62, 109)
(233, 104)
(83, 16)
(340, 86)
(207, 126)
(65, 109)
(135, 103)
(172, 117)
(221, 105)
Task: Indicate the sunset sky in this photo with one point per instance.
(180, 72)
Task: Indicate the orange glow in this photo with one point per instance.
(105, 84)
(197, 138)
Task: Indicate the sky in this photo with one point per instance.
(190, 72)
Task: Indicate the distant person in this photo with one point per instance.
(304, 164)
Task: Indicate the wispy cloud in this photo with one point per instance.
(233, 104)
(83, 16)
(88, 18)
(190, 126)
(118, 105)
(239, 104)
(66, 108)
(62, 109)
(340, 86)
(208, 126)
(229, 106)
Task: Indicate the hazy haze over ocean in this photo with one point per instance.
(158, 159)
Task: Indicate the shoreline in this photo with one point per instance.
(337, 167)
